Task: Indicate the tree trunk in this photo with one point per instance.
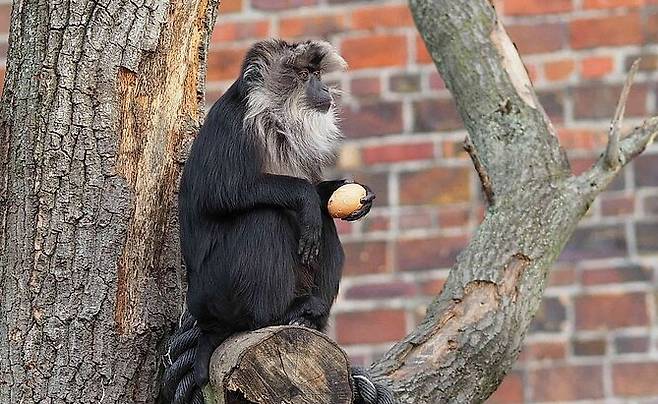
(99, 102)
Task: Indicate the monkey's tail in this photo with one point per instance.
(178, 386)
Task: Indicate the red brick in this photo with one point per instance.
(562, 274)
(276, 5)
(392, 153)
(225, 64)
(432, 287)
(612, 3)
(451, 217)
(315, 26)
(429, 253)
(596, 242)
(589, 347)
(565, 383)
(596, 67)
(235, 31)
(610, 311)
(380, 118)
(436, 82)
(651, 28)
(437, 186)
(553, 103)
(551, 316)
(617, 205)
(344, 227)
(378, 182)
(404, 83)
(525, 7)
(648, 62)
(375, 223)
(646, 166)
(365, 87)
(2, 78)
(382, 16)
(609, 31)
(599, 101)
(510, 390)
(454, 149)
(582, 139)
(540, 351)
(368, 327)
(651, 205)
(624, 345)
(365, 257)
(647, 237)
(415, 219)
(5, 15)
(230, 6)
(635, 379)
(559, 70)
(615, 275)
(436, 115)
(381, 290)
(422, 54)
(375, 51)
(537, 38)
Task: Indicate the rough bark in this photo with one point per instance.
(99, 101)
(473, 331)
(290, 365)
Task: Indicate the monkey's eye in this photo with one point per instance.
(317, 74)
(303, 74)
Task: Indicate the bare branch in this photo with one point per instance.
(594, 180)
(612, 151)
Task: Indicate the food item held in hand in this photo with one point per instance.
(346, 200)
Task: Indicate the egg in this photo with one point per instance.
(346, 200)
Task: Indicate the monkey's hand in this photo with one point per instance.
(310, 221)
(366, 205)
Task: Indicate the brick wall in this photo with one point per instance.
(596, 335)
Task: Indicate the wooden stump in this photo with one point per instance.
(285, 364)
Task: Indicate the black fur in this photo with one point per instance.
(260, 249)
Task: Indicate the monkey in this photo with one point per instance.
(258, 244)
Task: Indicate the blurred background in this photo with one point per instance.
(596, 335)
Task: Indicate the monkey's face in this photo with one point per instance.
(288, 77)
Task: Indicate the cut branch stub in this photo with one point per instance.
(285, 364)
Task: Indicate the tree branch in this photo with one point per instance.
(474, 330)
(612, 151)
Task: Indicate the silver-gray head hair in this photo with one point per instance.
(297, 138)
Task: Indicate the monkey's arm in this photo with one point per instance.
(274, 191)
